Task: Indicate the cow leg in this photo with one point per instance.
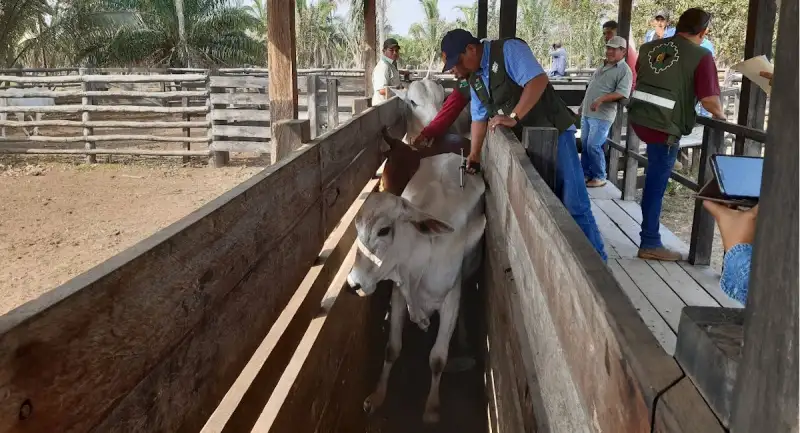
(448, 314)
(397, 320)
(21, 119)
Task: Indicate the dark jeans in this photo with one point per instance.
(571, 190)
(660, 160)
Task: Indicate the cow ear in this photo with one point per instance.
(432, 226)
(426, 223)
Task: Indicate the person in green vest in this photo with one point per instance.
(510, 88)
(672, 75)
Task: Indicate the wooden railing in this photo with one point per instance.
(232, 106)
(567, 350)
(713, 143)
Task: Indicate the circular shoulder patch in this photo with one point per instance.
(663, 56)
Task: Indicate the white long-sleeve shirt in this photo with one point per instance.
(385, 74)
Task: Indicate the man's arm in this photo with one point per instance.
(706, 86)
(621, 91)
(450, 111)
(477, 135)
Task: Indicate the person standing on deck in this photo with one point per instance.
(660, 27)
(386, 73)
(610, 83)
(559, 56)
(673, 74)
(510, 88)
(609, 31)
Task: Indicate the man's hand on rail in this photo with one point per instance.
(503, 121)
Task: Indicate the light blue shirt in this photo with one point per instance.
(736, 272)
(521, 67)
(709, 46)
(650, 35)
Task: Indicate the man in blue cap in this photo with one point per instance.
(510, 88)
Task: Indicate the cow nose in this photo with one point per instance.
(352, 286)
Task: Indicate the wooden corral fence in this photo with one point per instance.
(567, 350)
(214, 323)
(147, 112)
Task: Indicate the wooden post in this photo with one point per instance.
(541, 146)
(765, 395)
(632, 144)
(370, 46)
(313, 82)
(753, 100)
(508, 18)
(615, 134)
(703, 223)
(624, 19)
(483, 18)
(332, 97)
(360, 104)
(86, 101)
(218, 158)
(289, 135)
(282, 63)
(187, 132)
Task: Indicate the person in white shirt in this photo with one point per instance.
(386, 73)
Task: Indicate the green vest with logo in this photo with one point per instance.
(664, 97)
(462, 87)
(549, 111)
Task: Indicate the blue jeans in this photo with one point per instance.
(660, 160)
(593, 135)
(571, 190)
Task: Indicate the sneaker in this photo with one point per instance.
(660, 253)
(596, 183)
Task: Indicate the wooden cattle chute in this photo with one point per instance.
(195, 325)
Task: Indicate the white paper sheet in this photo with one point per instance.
(751, 67)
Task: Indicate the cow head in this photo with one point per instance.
(392, 235)
(424, 99)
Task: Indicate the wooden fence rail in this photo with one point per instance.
(233, 105)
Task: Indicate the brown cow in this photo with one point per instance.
(402, 160)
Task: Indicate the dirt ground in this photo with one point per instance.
(60, 217)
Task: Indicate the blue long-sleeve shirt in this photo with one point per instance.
(521, 66)
(736, 272)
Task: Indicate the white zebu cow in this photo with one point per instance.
(424, 99)
(426, 242)
(17, 100)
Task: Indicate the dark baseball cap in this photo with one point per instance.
(693, 21)
(390, 43)
(454, 44)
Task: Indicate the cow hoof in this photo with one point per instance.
(431, 416)
(371, 404)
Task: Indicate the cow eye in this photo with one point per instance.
(384, 231)
(413, 104)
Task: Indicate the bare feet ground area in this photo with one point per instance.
(59, 217)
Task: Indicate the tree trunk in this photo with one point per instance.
(183, 49)
(380, 5)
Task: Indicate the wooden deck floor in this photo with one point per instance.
(658, 290)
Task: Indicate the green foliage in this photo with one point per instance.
(728, 24)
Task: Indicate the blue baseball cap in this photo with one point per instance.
(454, 44)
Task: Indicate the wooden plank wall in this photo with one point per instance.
(152, 339)
(582, 346)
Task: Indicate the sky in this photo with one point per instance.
(403, 13)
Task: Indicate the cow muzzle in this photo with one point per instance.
(353, 287)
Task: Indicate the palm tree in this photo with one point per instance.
(470, 20)
(430, 31)
(17, 19)
(320, 34)
(176, 33)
